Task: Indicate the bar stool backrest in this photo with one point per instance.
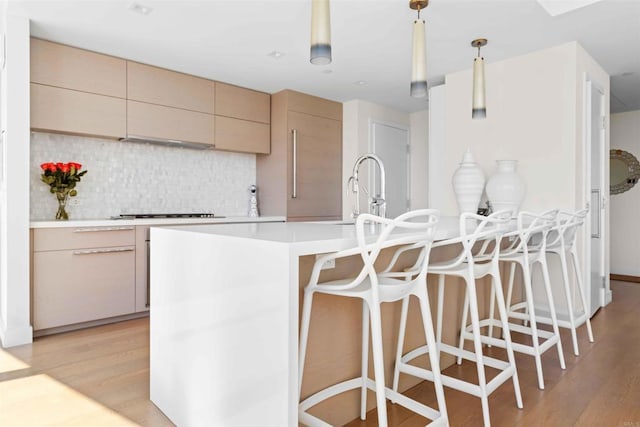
(475, 229)
(563, 234)
(422, 224)
(531, 234)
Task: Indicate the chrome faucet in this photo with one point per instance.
(377, 203)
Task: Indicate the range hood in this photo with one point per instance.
(167, 142)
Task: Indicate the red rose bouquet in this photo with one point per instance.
(62, 179)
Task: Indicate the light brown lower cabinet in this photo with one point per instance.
(92, 280)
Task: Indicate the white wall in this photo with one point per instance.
(535, 114)
(15, 328)
(419, 160)
(625, 222)
(125, 177)
(357, 116)
(530, 118)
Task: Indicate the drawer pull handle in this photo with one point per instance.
(104, 251)
(95, 229)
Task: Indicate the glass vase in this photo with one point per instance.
(62, 204)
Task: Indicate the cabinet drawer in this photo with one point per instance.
(57, 239)
(72, 68)
(80, 285)
(69, 111)
(157, 121)
(242, 103)
(242, 135)
(170, 88)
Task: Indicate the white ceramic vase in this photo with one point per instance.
(506, 189)
(468, 184)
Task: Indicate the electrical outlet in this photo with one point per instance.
(74, 202)
(327, 265)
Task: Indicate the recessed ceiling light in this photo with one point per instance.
(138, 8)
(360, 83)
(276, 54)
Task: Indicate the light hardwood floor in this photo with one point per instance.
(100, 376)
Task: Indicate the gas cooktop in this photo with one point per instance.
(167, 215)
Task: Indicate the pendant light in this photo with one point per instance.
(479, 106)
(320, 33)
(419, 53)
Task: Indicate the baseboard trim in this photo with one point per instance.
(625, 278)
(90, 324)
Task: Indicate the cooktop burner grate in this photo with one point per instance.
(168, 215)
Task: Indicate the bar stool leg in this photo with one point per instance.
(434, 356)
(465, 309)
(378, 363)
(526, 273)
(492, 308)
(512, 275)
(574, 255)
(552, 309)
(471, 301)
(401, 332)
(441, 278)
(567, 294)
(365, 360)
(504, 319)
(304, 336)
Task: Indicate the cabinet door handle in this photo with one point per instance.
(294, 193)
(94, 229)
(104, 251)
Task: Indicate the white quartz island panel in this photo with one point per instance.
(224, 319)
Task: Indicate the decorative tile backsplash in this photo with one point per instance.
(125, 177)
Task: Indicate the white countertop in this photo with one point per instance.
(306, 237)
(153, 221)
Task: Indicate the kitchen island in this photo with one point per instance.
(224, 322)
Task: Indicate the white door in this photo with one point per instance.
(390, 142)
(596, 278)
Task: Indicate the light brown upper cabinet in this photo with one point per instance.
(242, 103)
(158, 121)
(76, 91)
(169, 88)
(302, 177)
(68, 67)
(242, 119)
(241, 135)
(55, 109)
(166, 104)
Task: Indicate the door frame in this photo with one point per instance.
(371, 148)
(605, 291)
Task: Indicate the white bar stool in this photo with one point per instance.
(561, 242)
(527, 250)
(373, 290)
(489, 231)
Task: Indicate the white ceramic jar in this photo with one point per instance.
(468, 184)
(505, 188)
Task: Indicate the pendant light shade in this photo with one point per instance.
(419, 61)
(479, 105)
(320, 33)
(419, 53)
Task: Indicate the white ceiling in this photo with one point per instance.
(228, 40)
